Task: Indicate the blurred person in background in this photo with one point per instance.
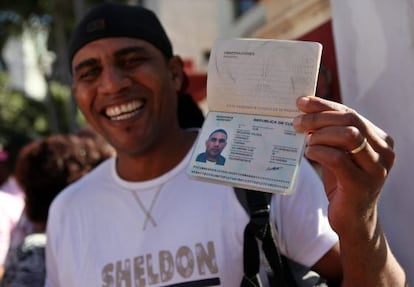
(10, 212)
(9, 184)
(45, 167)
(11, 196)
(9, 151)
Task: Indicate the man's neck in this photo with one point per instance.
(155, 161)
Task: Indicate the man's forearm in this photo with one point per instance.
(367, 259)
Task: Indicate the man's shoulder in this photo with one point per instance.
(201, 157)
(221, 160)
(84, 187)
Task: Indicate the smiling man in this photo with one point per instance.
(138, 220)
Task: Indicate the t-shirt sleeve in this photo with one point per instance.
(302, 229)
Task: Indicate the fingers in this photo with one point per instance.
(342, 129)
(354, 155)
(316, 104)
(381, 142)
(333, 152)
(360, 147)
(315, 107)
(321, 113)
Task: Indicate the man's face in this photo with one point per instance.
(126, 89)
(215, 144)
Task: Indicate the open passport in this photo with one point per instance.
(252, 87)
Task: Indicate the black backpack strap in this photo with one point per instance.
(259, 230)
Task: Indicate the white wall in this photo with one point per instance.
(194, 25)
(191, 25)
(375, 49)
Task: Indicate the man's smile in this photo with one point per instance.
(124, 111)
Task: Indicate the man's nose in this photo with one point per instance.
(112, 80)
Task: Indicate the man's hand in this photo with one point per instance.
(353, 181)
(355, 158)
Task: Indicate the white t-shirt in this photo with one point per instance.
(173, 230)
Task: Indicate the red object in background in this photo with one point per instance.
(328, 82)
(197, 82)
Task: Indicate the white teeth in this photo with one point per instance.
(124, 111)
(124, 116)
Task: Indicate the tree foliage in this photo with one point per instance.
(57, 113)
(20, 114)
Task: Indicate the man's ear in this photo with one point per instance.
(176, 66)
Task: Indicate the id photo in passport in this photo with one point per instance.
(214, 145)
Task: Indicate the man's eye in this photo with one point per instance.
(132, 62)
(88, 74)
(217, 140)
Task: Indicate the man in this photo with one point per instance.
(215, 144)
(138, 220)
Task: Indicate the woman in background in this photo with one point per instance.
(44, 168)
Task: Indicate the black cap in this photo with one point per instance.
(118, 20)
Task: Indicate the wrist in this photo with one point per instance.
(359, 226)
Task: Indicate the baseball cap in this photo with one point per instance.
(119, 20)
